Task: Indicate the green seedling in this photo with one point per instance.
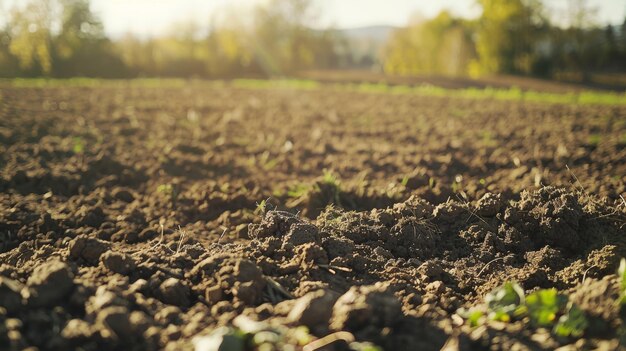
(298, 190)
(572, 324)
(543, 306)
(260, 207)
(594, 139)
(78, 146)
(332, 183)
(404, 181)
(504, 302)
(475, 316)
(169, 190)
(330, 178)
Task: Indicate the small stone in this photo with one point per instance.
(101, 299)
(10, 296)
(49, 283)
(365, 306)
(139, 285)
(140, 322)
(168, 315)
(213, 294)
(430, 269)
(88, 249)
(173, 292)
(313, 309)
(436, 287)
(77, 330)
(123, 195)
(118, 262)
(117, 319)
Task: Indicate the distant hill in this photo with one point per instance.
(376, 33)
(366, 43)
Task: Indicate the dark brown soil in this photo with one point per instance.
(138, 218)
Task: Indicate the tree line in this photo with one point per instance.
(63, 38)
(510, 37)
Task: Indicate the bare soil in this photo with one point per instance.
(138, 218)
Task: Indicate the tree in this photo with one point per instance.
(507, 36)
(282, 41)
(441, 45)
(31, 39)
(81, 47)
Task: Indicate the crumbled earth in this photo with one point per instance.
(140, 217)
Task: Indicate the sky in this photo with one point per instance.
(155, 17)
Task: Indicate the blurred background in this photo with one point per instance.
(567, 40)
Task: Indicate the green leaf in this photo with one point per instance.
(572, 324)
(474, 316)
(544, 305)
(79, 145)
(504, 301)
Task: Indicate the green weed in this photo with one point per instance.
(509, 94)
(544, 308)
(78, 146)
(170, 191)
(505, 302)
(298, 190)
(594, 139)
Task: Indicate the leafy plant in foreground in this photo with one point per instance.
(572, 324)
(544, 308)
(505, 301)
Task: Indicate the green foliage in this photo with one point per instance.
(544, 305)
(441, 45)
(78, 145)
(507, 35)
(572, 324)
(543, 308)
(31, 40)
(504, 302)
(594, 139)
(475, 316)
(330, 178)
(298, 190)
(261, 207)
(329, 188)
(169, 190)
